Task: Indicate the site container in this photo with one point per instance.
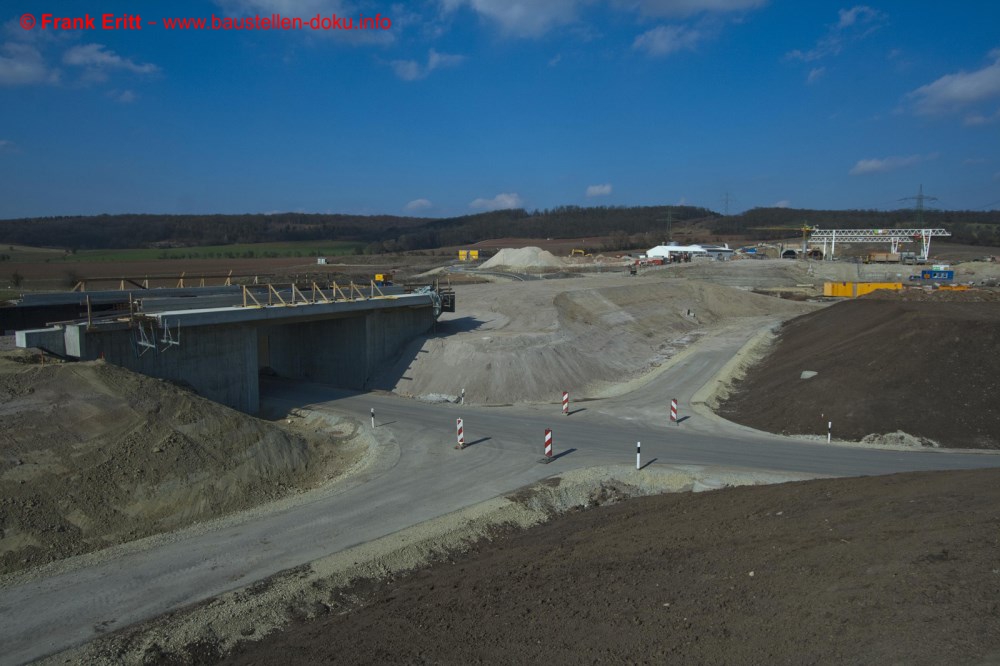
(855, 289)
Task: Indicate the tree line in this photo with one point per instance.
(621, 227)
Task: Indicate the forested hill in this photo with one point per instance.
(386, 233)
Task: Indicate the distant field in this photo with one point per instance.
(243, 251)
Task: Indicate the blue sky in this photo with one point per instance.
(469, 105)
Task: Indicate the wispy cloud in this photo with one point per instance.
(687, 7)
(499, 202)
(815, 74)
(852, 24)
(419, 204)
(784, 203)
(23, 65)
(665, 39)
(599, 190)
(123, 96)
(532, 19)
(521, 18)
(411, 70)
(98, 56)
(886, 164)
(954, 92)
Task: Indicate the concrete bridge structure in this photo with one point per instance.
(221, 351)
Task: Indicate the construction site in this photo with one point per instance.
(259, 473)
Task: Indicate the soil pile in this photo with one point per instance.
(93, 455)
(867, 570)
(524, 258)
(926, 367)
(528, 342)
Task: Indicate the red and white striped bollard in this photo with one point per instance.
(566, 403)
(548, 443)
(673, 411)
(460, 431)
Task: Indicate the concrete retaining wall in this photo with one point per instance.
(219, 362)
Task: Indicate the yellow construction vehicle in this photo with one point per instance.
(383, 279)
(577, 253)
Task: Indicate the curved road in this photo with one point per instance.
(421, 478)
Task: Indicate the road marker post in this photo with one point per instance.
(460, 432)
(548, 447)
(566, 403)
(673, 411)
(463, 397)
(373, 418)
(638, 455)
(829, 431)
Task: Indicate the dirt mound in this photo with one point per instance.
(866, 570)
(528, 342)
(936, 295)
(928, 369)
(93, 455)
(524, 258)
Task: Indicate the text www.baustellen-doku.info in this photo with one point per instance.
(55, 22)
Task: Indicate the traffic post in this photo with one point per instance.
(566, 403)
(673, 411)
(460, 432)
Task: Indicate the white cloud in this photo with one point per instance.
(22, 64)
(954, 91)
(815, 74)
(849, 17)
(97, 56)
(419, 204)
(666, 39)
(411, 70)
(499, 202)
(886, 164)
(521, 18)
(852, 25)
(977, 119)
(303, 8)
(599, 190)
(687, 7)
(784, 203)
(123, 96)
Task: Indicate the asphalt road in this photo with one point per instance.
(419, 476)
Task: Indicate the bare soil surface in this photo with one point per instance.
(924, 364)
(92, 455)
(528, 342)
(901, 569)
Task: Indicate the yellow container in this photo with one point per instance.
(855, 289)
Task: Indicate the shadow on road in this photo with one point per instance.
(563, 453)
(648, 464)
(478, 441)
(575, 411)
(682, 419)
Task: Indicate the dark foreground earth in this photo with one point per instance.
(902, 569)
(927, 364)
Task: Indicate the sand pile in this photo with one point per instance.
(524, 258)
(527, 342)
(93, 455)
